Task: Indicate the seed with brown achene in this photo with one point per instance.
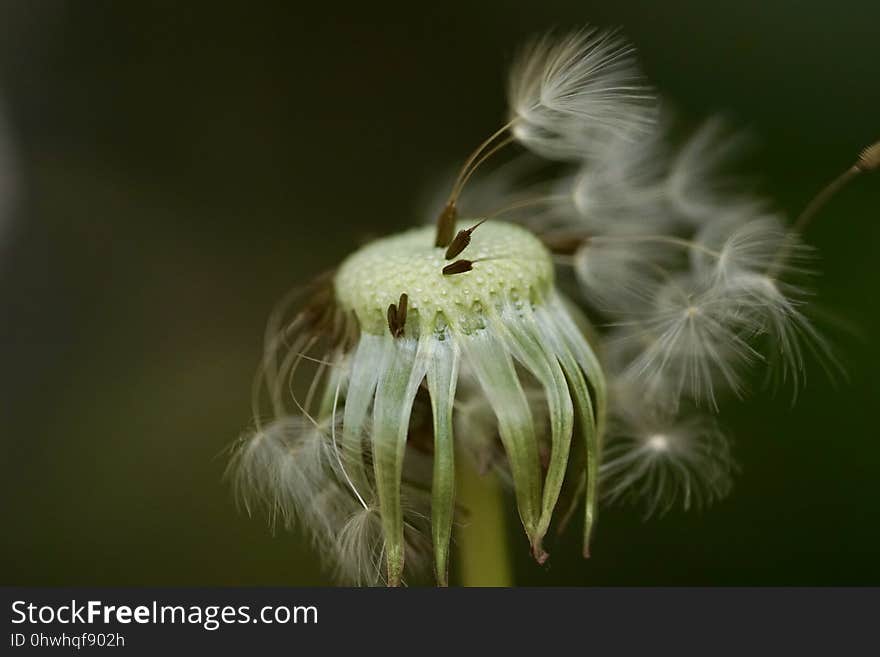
(397, 316)
(458, 267)
(461, 241)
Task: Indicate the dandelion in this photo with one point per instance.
(502, 314)
(454, 342)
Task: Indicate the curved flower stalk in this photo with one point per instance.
(455, 340)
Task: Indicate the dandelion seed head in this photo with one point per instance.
(510, 261)
(456, 338)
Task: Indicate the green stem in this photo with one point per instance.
(482, 539)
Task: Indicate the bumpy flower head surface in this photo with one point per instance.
(509, 264)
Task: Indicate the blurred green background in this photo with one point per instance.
(181, 167)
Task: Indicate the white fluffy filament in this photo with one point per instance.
(568, 94)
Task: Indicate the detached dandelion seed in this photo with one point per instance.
(453, 343)
(659, 462)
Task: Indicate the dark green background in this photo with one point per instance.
(182, 167)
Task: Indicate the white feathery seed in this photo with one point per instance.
(698, 186)
(566, 94)
(661, 461)
(746, 242)
(622, 276)
(691, 338)
(281, 468)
